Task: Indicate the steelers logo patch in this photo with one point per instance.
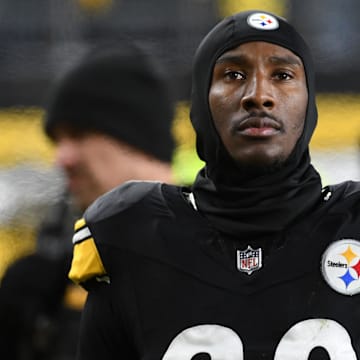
(262, 21)
(340, 266)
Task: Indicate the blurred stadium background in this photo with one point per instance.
(39, 39)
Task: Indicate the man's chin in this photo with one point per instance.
(261, 168)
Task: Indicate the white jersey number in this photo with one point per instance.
(222, 343)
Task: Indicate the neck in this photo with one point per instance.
(136, 165)
(266, 204)
(152, 170)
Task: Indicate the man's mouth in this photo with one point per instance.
(258, 126)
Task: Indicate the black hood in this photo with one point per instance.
(228, 34)
(295, 183)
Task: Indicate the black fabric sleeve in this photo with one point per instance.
(102, 335)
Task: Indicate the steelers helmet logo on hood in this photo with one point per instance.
(228, 34)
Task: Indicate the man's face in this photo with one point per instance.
(93, 163)
(258, 99)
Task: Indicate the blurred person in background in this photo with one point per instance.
(110, 119)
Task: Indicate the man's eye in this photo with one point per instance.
(234, 75)
(283, 76)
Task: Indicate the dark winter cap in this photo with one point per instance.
(120, 92)
(233, 31)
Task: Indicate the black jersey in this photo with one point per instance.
(163, 284)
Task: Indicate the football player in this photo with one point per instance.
(255, 260)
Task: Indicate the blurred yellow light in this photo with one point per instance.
(95, 5)
(22, 137)
(228, 7)
(339, 124)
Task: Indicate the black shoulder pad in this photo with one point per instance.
(346, 190)
(119, 199)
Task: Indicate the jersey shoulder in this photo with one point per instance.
(344, 196)
(120, 199)
(348, 188)
(122, 218)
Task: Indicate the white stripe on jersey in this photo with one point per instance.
(81, 235)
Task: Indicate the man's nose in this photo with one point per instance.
(258, 94)
(66, 153)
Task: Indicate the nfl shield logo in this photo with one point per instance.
(249, 260)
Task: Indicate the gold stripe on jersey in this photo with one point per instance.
(86, 262)
(79, 224)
